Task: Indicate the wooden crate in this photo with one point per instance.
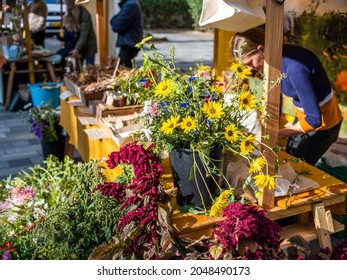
(85, 97)
(103, 110)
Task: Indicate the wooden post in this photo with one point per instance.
(28, 44)
(102, 29)
(222, 54)
(272, 70)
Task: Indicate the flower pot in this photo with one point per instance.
(199, 190)
(54, 148)
(45, 93)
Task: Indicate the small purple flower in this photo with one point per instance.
(6, 256)
(37, 129)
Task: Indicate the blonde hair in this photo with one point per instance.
(246, 43)
(71, 19)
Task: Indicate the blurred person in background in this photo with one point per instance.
(318, 116)
(79, 20)
(37, 21)
(128, 23)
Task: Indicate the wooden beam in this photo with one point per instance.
(28, 44)
(102, 29)
(272, 71)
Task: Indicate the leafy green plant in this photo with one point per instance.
(195, 7)
(328, 41)
(166, 13)
(44, 122)
(75, 219)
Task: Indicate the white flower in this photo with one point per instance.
(12, 218)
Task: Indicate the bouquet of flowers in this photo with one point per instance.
(44, 122)
(195, 111)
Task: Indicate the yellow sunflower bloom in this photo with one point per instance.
(242, 71)
(257, 165)
(169, 126)
(247, 101)
(164, 88)
(221, 203)
(231, 133)
(204, 68)
(213, 110)
(217, 88)
(245, 87)
(247, 146)
(265, 181)
(188, 124)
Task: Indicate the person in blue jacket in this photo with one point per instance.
(128, 23)
(318, 116)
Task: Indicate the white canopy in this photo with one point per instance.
(232, 15)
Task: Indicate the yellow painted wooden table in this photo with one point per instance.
(88, 149)
(331, 192)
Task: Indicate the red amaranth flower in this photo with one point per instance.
(245, 222)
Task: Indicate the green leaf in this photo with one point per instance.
(216, 251)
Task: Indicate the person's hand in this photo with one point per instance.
(75, 53)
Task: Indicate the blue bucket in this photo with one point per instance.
(45, 93)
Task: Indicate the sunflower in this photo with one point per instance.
(247, 101)
(247, 146)
(213, 110)
(164, 88)
(231, 133)
(265, 181)
(217, 88)
(188, 124)
(256, 165)
(169, 126)
(242, 71)
(221, 202)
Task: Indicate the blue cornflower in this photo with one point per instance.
(143, 83)
(185, 104)
(164, 103)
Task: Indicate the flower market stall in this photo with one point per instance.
(173, 169)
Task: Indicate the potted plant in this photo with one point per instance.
(197, 119)
(44, 123)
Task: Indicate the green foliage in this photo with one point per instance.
(195, 7)
(326, 36)
(166, 13)
(72, 229)
(76, 219)
(44, 122)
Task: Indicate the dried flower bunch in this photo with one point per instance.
(44, 122)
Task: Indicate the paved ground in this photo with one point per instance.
(20, 149)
